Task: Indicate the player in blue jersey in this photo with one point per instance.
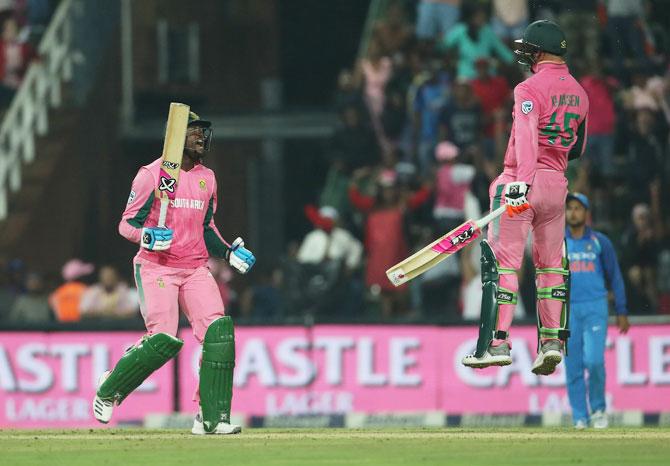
(593, 270)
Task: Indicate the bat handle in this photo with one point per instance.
(482, 222)
(163, 212)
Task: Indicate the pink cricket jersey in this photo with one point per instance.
(550, 110)
(190, 215)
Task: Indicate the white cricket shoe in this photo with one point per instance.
(549, 356)
(600, 420)
(222, 428)
(581, 424)
(493, 356)
(102, 409)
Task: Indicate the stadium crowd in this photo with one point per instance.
(425, 114)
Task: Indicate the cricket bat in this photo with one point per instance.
(440, 249)
(173, 149)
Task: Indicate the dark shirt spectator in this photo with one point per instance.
(33, 306)
(461, 119)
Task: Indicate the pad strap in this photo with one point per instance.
(506, 296)
(559, 333)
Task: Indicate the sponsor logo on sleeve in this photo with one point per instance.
(526, 107)
(131, 197)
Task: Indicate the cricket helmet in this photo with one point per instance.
(194, 121)
(540, 36)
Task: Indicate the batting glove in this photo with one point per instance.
(156, 239)
(516, 197)
(239, 257)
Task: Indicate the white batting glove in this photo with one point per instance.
(239, 257)
(516, 197)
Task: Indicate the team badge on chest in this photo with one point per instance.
(203, 185)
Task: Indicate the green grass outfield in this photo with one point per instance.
(271, 447)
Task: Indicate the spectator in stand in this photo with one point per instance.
(472, 40)
(66, 298)
(436, 18)
(494, 96)
(461, 118)
(110, 298)
(510, 18)
(332, 258)
(329, 241)
(645, 156)
(354, 141)
(15, 56)
(385, 240)
(640, 249)
(579, 20)
(624, 27)
(600, 143)
(347, 94)
(452, 183)
(430, 93)
(393, 32)
(262, 302)
(12, 285)
(374, 71)
(33, 306)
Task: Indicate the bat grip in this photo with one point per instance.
(163, 212)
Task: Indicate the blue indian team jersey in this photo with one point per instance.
(594, 267)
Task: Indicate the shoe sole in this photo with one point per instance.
(548, 365)
(491, 362)
(237, 430)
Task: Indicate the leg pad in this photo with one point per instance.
(139, 362)
(216, 373)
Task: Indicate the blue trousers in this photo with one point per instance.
(586, 352)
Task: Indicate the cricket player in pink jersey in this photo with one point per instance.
(550, 111)
(171, 273)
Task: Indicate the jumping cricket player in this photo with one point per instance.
(550, 111)
(171, 273)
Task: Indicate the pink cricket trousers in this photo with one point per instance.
(508, 235)
(164, 290)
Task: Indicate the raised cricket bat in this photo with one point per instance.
(440, 249)
(173, 149)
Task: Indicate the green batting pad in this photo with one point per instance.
(138, 364)
(216, 373)
(489, 310)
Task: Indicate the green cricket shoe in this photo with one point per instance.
(493, 356)
(222, 428)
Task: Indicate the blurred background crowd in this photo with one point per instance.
(424, 118)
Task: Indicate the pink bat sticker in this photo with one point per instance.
(167, 184)
(459, 238)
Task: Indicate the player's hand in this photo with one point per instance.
(239, 257)
(156, 239)
(623, 324)
(515, 197)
